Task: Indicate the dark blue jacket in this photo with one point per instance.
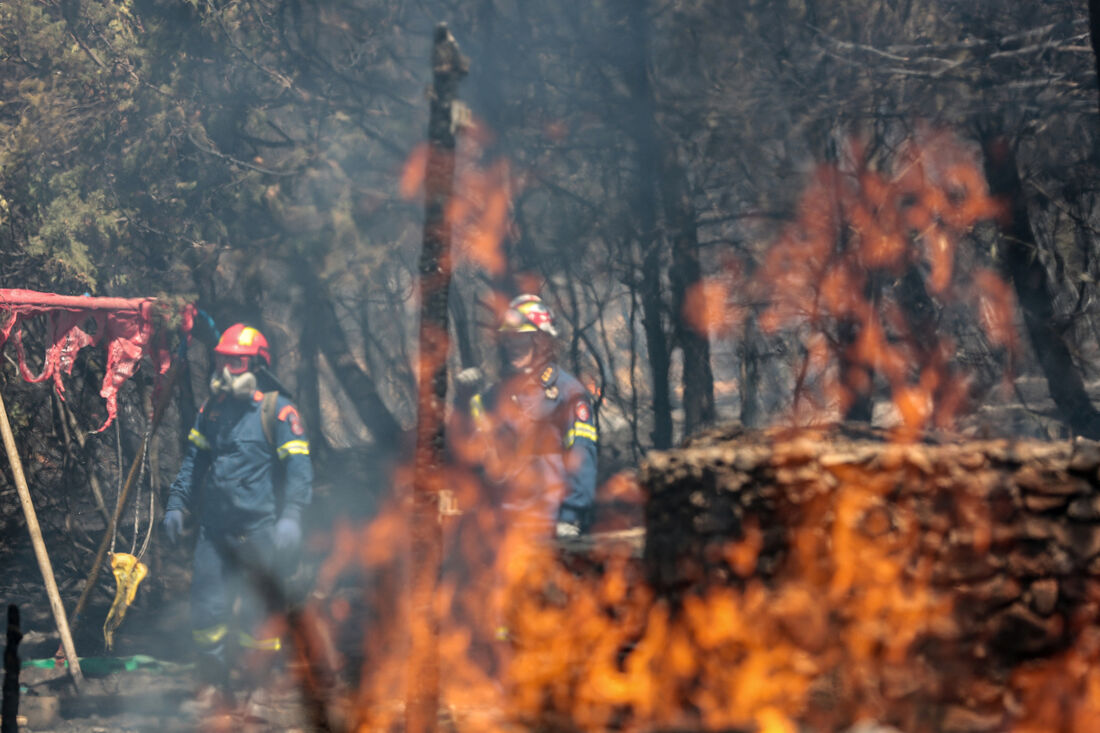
(229, 474)
(549, 419)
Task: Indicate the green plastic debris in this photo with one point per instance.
(108, 665)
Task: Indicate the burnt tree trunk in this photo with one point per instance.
(331, 342)
(1094, 37)
(1020, 263)
(636, 69)
(448, 67)
(656, 347)
(751, 348)
(686, 272)
(309, 384)
(855, 374)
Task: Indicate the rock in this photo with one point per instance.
(1052, 560)
(1043, 596)
(867, 726)
(1056, 483)
(1084, 540)
(1020, 630)
(1044, 502)
(1085, 509)
(1085, 457)
(959, 719)
(996, 592)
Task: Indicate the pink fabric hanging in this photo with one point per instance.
(125, 326)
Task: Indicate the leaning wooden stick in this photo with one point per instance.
(40, 548)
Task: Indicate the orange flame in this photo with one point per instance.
(415, 172)
(529, 637)
(708, 307)
(856, 232)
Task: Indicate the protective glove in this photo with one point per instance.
(469, 378)
(467, 383)
(565, 530)
(288, 534)
(173, 525)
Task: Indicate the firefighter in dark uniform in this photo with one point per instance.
(537, 432)
(246, 484)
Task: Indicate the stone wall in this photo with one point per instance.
(942, 569)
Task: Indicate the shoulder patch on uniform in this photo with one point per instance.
(549, 375)
(293, 420)
(581, 411)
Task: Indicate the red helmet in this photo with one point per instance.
(245, 343)
(528, 314)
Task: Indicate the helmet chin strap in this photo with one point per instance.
(240, 386)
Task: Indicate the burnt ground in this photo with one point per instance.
(112, 698)
(154, 637)
(148, 695)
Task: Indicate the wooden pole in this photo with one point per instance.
(449, 66)
(40, 548)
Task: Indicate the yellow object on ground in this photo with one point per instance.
(129, 572)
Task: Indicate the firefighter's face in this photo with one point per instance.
(233, 363)
(240, 386)
(519, 349)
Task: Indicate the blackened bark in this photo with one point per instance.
(646, 204)
(309, 385)
(656, 347)
(750, 373)
(449, 67)
(1094, 37)
(1020, 264)
(686, 272)
(854, 374)
(9, 709)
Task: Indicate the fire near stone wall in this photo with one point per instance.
(941, 575)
